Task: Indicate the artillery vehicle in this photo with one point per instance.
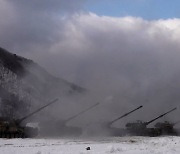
(107, 129)
(167, 128)
(139, 128)
(12, 128)
(60, 128)
(118, 131)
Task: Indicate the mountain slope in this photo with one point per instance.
(24, 84)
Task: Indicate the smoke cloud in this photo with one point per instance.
(124, 62)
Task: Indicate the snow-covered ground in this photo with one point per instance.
(124, 145)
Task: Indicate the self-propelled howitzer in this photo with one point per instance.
(167, 128)
(107, 129)
(60, 128)
(140, 128)
(126, 114)
(12, 128)
(34, 112)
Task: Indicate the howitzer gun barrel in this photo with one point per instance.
(162, 115)
(69, 119)
(110, 123)
(29, 115)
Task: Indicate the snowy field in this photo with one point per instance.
(124, 145)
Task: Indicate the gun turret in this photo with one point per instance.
(126, 114)
(29, 115)
(166, 124)
(73, 117)
(166, 128)
(162, 115)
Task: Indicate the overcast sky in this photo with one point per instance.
(127, 48)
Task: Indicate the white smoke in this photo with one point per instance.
(128, 59)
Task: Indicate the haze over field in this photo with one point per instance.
(125, 60)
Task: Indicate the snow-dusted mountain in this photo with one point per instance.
(24, 83)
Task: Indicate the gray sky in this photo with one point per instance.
(129, 58)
